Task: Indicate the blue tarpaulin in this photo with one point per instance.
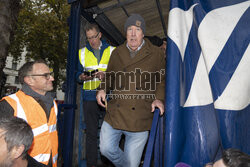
(208, 80)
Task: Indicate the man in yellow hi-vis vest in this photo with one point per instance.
(35, 104)
(93, 62)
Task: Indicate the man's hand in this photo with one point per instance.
(100, 97)
(99, 74)
(85, 77)
(159, 104)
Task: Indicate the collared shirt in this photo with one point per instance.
(100, 45)
(97, 53)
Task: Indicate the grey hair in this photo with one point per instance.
(91, 26)
(16, 133)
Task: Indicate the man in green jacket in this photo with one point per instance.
(136, 77)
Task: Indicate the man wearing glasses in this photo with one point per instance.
(36, 105)
(93, 61)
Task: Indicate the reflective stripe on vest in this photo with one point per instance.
(20, 111)
(41, 129)
(55, 158)
(103, 66)
(100, 66)
(89, 63)
(42, 157)
(82, 58)
(90, 68)
(52, 128)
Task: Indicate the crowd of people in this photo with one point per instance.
(111, 90)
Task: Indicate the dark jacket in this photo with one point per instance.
(142, 80)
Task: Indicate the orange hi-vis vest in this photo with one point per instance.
(45, 134)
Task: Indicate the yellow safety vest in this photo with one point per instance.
(89, 63)
(45, 134)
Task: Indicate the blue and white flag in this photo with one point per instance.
(208, 80)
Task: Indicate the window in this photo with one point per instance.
(14, 66)
(16, 80)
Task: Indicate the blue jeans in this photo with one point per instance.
(133, 147)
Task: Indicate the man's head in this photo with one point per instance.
(93, 35)
(15, 140)
(235, 158)
(37, 76)
(232, 158)
(135, 29)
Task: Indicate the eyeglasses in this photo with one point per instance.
(93, 37)
(46, 75)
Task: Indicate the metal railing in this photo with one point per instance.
(154, 150)
(64, 132)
